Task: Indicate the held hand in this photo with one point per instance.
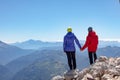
(81, 49)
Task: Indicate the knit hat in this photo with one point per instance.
(69, 29)
(90, 29)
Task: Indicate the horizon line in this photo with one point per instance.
(118, 40)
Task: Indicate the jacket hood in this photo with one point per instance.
(92, 33)
(69, 34)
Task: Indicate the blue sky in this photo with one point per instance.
(47, 20)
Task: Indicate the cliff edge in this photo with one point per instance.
(103, 69)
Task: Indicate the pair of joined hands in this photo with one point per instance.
(81, 49)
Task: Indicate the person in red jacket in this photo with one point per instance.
(91, 43)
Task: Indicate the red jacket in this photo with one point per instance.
(91, 42)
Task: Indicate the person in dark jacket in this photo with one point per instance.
(91, 43)
(69, 48)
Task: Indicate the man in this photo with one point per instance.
(91, 43)
(69, 48)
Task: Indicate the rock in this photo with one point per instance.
(112, 72)
(71, 75)
(118, 78)
(88, 77)
(107, 77)
(112, 62)
(82, 73)
(58, 78)
(102, 58)
(103, 69)
(118, 61)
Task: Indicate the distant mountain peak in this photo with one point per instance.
(2, 44)
(32, 41)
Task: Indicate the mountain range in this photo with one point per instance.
(46, 64)
(9, 52)
(38, 44)
(42, 63)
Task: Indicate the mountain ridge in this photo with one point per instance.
(37, 61)
(36, 44)
(9, 52)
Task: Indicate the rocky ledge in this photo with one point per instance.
(103, 69)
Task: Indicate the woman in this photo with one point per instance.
(69, 48)
(92, 44)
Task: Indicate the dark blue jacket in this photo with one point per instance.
(69, 42)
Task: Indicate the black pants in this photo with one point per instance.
(71, 60)
(91, 55)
